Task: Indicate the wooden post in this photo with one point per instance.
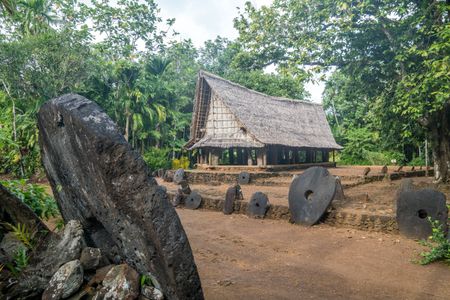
(260, 157)
(334, 160)
(214, 160)
(264, 155)
(249, 157)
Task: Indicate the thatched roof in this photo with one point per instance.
(269, 120)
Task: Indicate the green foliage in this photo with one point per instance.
(24, 234)
(34, 196)
(20, 262)
(183, 163)
(438, 244)
(417, 162)
(157, 158)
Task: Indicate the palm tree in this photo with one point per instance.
(9, 6)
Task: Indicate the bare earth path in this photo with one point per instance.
(242, 258)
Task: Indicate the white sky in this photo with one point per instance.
(202, 20)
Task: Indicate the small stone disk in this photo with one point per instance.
(244, 178)
(193, 201)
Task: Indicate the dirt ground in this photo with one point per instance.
(242, 258)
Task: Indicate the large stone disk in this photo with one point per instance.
(98, 179)
(310, 194)
(414, 208)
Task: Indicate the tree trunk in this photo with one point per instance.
(127, 125)
(440, 139)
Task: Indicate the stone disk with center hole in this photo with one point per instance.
(178, 176)
(193, 201)
(258, 205)
(310, 194)
(414, 208)
(244, 178)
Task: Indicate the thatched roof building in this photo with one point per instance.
(228, 116)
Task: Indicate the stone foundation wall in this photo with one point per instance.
(338, 218)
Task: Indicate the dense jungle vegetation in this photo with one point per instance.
(386, 94)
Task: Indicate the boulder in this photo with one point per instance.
(244, 178)
(193, 200)
(178, 176)
(151, 293)
(121, 282)
(9, 246)
(53, 252)
(98, 179)
(65, 282)
(99, 275)
(90, 258)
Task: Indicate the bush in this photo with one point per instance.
(34, 196)
(438, 244)
(157, 158)
(182, 163)
(417, 162)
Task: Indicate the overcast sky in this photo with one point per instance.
(202, 20)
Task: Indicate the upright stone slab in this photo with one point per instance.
(178, 176)
(310, 194)
(193, 200)
(414, 208)
(258, 205)
(98, 179)
(230, 197)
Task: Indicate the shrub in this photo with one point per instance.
(157, 158)
(438, 244)
(34, 196)
(417, 162)
(183, 163)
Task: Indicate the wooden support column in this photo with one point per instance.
(214, 157)
(249, 157)
(265, 157)
(334, 160)
(260, 157)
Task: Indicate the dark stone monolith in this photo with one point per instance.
(98, 179)
(244, 178)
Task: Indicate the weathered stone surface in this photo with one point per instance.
(168, 176)
(151, 293)
(10, 245)
(98, 179)
(339, 194)
(193, 200)
(178, 198)
(384, 169)
(179, 176)
(185, 189)
(414, 208)
(310, 194)
(244, 178)
(121, 282)
(100, 275)
(14, 211)
(366, 171)
(258, 205)
(405, 185)
(53, 252)
(66, 281)
(90, 258)
(230, 196)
